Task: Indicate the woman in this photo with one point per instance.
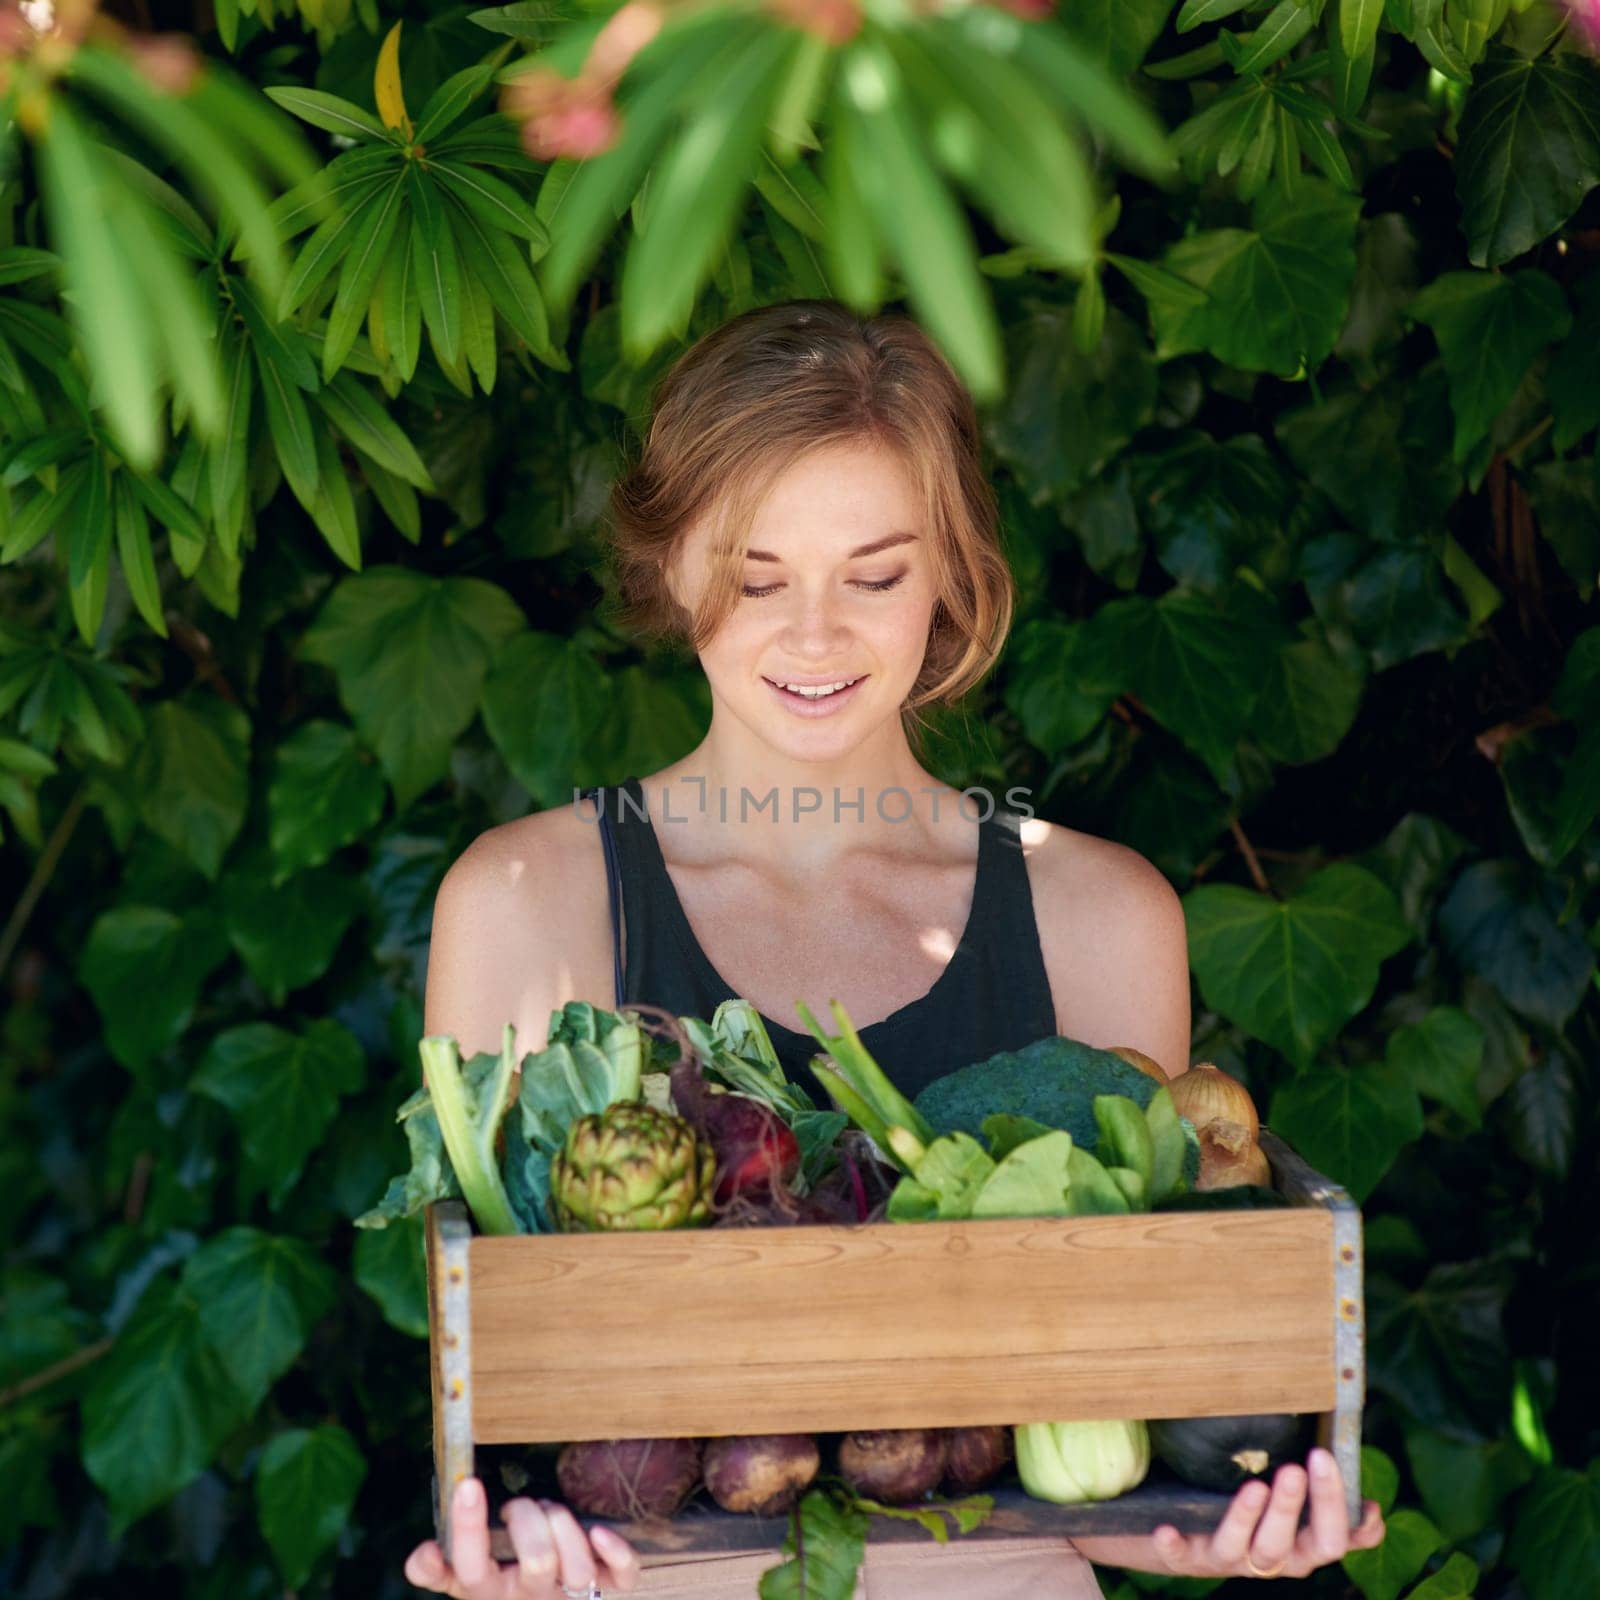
(810, 513)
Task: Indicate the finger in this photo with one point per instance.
(469, 1534)
(1330, 1522)
(1372, 1528)
(426, 1568)
(619, 1556)
(537, 1562)
(1275, 1535)
(577, 1559)
(1171, 1546)
(1234, 1533)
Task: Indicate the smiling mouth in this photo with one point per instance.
(815, 691)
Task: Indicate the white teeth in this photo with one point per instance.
(817, 691)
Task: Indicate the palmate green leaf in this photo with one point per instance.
(88, 524)
(1489, 326)
(850, 243)
(450, 100)
(921, 227)
(1194, 662)
(1381, 1573)
(351, 407)
(655, 720)
(1278, 292)
(134, 554)
(1574, 395)
(325, 792)
(1349, 1122)
(283, 1090)
(112, 323)
(1358, 25)
(497, 205)
(544, 704)
(1440, 1057)
(695, 189)
(1389, 598)
(1504, 920)
(1463, 1481)
(1555, 1541)
(501, 268)
(331, 193)
(1283, 28)
(192, 775)
(333, 507)
(1439, 1351)
(1048, 689)
(289, 423)
(688, 50)
(327, 246)
(400, 303)
(1293, 972)
(1196, 12)
(259, 1296)
(158, 1407)
(411, 653)
(388, 1263)
(1065, 415)
(287, 932)
(306, 1485)
(1529, 150)
(228, 461)
(1308, 703)
(436, 267)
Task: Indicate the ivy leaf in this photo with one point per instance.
(287, 934)
(1463, 1481)
(411, 653)
(1380, 1477)
(1503, 921)
(192, 776)
(1293, 972)
(1064, 415)
(1440, 1057)
(1308, 703)
(306, 1484)
(145, 966)
(1439, 1351)
(654, 720)
(1555, 1542)
(1489, 326)
(1349, 1122)
(1528, 152)
(1381, 1573)
(1566, 505)
(1195, 664)
(1457, 1579)
(389, 1265)
(544, 705)
(1048, 687)
(1278, 292)
(326, 791)
(1542, 1108)
(259, 1296)
(1389, 598)
(283, 1089)
(159, 1406)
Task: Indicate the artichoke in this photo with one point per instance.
(631, 1166)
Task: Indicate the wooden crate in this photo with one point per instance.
(701, 1332)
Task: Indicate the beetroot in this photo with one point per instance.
(754, 1147)
(763, 1473)
(974, 1456)
(631, 1479)
(895, 1465)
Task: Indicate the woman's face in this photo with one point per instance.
(827, 600)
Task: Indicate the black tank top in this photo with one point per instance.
(992, 995)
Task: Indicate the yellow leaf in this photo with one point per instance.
(386, 84)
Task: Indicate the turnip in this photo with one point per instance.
(763, 1473)
(974, 1456)
(630, 1479)
(895, 1465)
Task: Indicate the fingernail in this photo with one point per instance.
(471, 1494)
(1322, 1463)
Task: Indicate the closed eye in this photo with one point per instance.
(860, 583)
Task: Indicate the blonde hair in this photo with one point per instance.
(752, 397)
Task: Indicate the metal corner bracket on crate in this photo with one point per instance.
(504, 1374)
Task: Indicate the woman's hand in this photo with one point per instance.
(552, 1553)
(1260, 1534)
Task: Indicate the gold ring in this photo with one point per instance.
(1271, 1572)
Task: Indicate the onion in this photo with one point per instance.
(1229, 1157)
(1148, 1065)
(1206, 1094)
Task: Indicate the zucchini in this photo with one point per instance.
(1223, 1452)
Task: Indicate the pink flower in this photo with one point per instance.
(1585, 16)
(567, 118)
(835, 21)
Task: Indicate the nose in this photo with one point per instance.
(815, 626)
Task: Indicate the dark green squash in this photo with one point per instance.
(1223, 1452)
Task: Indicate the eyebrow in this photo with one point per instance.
(861, 550)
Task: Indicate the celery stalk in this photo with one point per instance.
(865, 1081)
(469, 1103)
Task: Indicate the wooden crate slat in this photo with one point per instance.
(1016, 1319)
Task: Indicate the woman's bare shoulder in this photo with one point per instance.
(1114, 942)
(520, 926)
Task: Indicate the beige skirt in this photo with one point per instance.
(963, 1569)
